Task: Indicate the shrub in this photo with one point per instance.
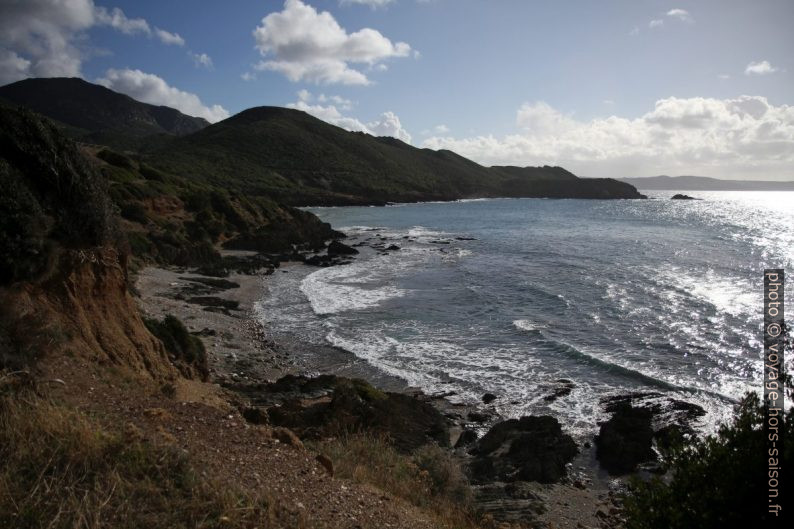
(718, 481)
(182, 345)
(115, 158)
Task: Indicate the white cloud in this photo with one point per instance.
(116, 19)
(741, 137)
(152, 89)
(724, 76)
(38, 37)
(388, 124)
(634, 31)
(166, 37)
(247, 76)
(657, 23)
(374, 4)
(306, 45)
(681, 14)
(202, 59)
(46, 38)
(760, 68)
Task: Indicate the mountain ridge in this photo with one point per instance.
(97, 114)
(706, 183)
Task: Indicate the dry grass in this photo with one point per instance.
(430, 478)
(59, 470)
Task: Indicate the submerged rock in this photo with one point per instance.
(488, 398)
(532, 448)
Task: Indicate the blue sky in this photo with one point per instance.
(610, 88)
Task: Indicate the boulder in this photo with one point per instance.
(467, 437)
(532, 448)
(355, 406)
(488, 398)
(339, 248)
(626, 439)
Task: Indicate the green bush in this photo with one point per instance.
(182, 345)
(115, 158)
(714, 482)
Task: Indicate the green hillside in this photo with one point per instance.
(300, 160)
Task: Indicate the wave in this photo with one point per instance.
(528, 325)
(343, 288)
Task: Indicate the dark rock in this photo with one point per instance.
(326, 463)
(625, 440)
(563, 389)
(680, 196)
(488, 398)
(467, 437)
(339, 248)
(532, 448)
(212, 301)
(478, 417)
(393, 247)
(255, 415)
(337, 406)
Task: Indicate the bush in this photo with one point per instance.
(182, 345)
(115, 158)
(715, 482)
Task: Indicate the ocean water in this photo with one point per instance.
(510, 296)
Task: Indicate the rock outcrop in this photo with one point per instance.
(532, 448)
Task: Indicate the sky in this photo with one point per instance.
(603, 88)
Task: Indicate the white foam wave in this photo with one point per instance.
(344, 288)
(527, 325)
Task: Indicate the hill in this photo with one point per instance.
(95, 114)
(704, 183)
(298, 159)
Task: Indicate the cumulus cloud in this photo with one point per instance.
(44, 38)
(760, 68)
(152, 89)
(306, 45)
(741, 137)
(657, 23)
(388, 124)
(201, 59)
(38, 37)
(247, 76)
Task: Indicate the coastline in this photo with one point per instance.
(242, 356)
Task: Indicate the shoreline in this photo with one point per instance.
(241, 352)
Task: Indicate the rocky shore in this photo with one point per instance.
(525, 470)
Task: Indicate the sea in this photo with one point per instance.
(513, 296)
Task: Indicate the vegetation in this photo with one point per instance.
(51, 197)
(187, 350)
(714, 482)
(430, 478)
(61, 470)
(298, 159)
